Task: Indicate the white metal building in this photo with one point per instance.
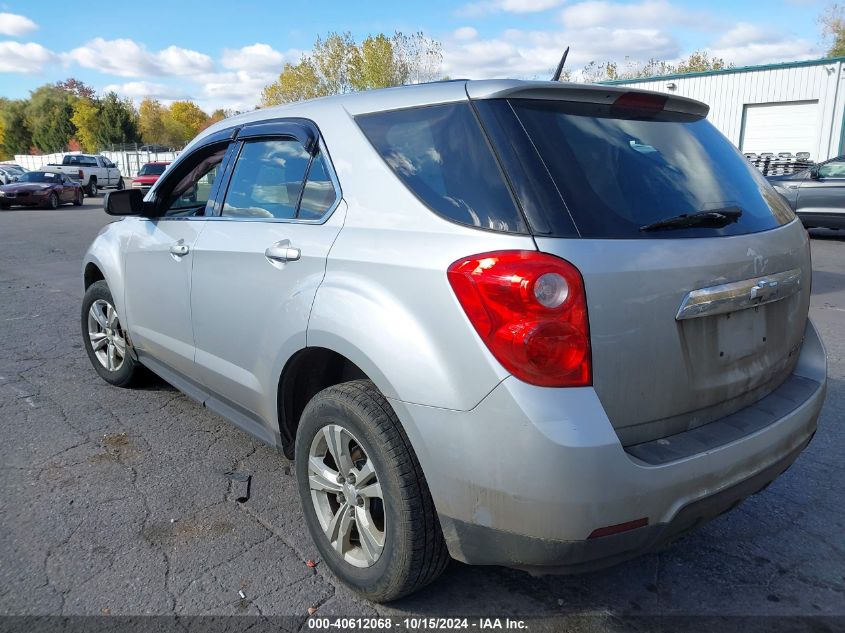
(792, 107)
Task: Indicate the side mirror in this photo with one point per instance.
(814, 173)
(124, 202)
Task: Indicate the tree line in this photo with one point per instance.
(70, 116)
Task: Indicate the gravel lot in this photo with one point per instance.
(115, 501)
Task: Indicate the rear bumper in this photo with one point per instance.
(524, 478)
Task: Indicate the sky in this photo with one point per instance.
(221, 53)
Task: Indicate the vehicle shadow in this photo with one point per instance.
(826, 282)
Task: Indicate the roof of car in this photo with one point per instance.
(438, 92)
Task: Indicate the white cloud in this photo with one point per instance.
(465, 33)
(138, 90)
(30, 57)
(258, 57)
(127, 58)
(236, 90)
(645, 14)
(535, 54)
(508, 6)
(16, 25)
(748, 44)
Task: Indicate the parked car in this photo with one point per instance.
(9, 174)
(148, 175)
(41, 189)
(534, 324)
(93, 172)
(816, 194)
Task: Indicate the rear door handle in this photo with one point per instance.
(282, 252)
(180, 249)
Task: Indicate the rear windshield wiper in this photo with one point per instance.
(716, 218)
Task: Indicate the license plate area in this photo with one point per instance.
(741, 334)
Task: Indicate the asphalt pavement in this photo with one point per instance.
(116, 501)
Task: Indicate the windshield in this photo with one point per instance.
(152, 169)
(40, 176)
(620, 170)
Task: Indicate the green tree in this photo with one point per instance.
(700, 61)
(337, 65)
(182, 121)
(832, 21)
(297, 82)
(151, 122)
(17, 138)
(48, 115)
(86, 119)
(118, 121)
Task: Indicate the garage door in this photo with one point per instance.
(781, 127)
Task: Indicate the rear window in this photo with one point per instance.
(83, 161)
(620, 170)
(440, 153)
(152, 169)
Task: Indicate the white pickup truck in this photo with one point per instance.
(92, 171)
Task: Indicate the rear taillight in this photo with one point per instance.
(80, 175)
(530, 309)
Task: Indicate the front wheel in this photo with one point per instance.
(53, 201)
(77, 201)
(105, 339)
(364, 496)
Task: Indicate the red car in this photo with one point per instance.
(41, 189)
(148, 175)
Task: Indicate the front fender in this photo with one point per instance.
(106, 253)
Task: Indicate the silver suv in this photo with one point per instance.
(541, 325)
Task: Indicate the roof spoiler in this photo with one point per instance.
(582, 93)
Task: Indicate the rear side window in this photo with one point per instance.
(440, 153)
(619, 170)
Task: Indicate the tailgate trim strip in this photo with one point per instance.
(739, 295)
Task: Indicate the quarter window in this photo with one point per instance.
(267, 180)
(440, 153)
(319, 194)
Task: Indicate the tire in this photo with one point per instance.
(128, 371)
(5, 207)
(413, 551)
(92, 187)
(120, 184)
(53, 201)
(77, 201)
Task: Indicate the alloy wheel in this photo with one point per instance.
(107, 338)
(347, 495)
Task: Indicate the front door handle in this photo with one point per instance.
(180, 249)
(282, 252)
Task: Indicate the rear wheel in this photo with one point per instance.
(92, 187)
(105, 339)
(364, 496)
(120, 184)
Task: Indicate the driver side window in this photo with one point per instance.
(193, 190)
